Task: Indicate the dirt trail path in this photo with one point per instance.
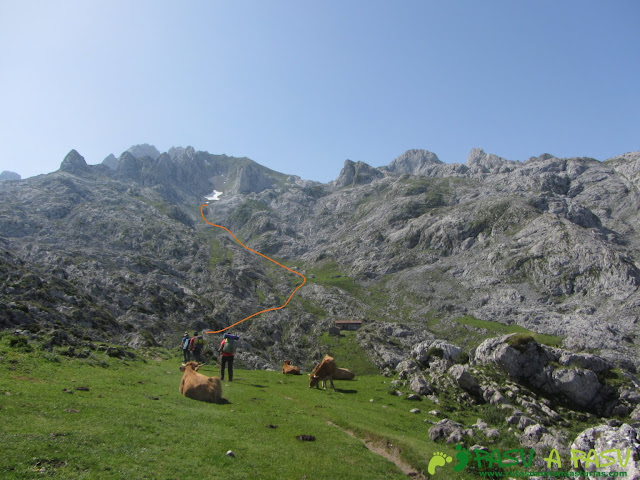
(387, 451)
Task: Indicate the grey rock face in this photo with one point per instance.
(415, 162)
(407, 367)
(110, 161)
(252, 179)
(144, 150)
(74, 163)
(420, 385)
(532, 364)
(580, 386)
(481, 162)
(430, 349)
(6, 175)
(130, 167)
(522, 363)
(449, 431)
(586, 361)
(539, 438)
(464, 379)
(357, 173)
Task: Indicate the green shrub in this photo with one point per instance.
(463, 358)
(435, 352)
(33, 327)
(519, 341)
(20, 343)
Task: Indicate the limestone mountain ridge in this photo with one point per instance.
(548, 244)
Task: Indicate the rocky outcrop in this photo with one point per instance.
(420, 385)
(519, 356)
(357, 173)
(449, 431)
(481, 162)
(129, 167)
(415, 162)
(580, 386)
(539, 438)
(432, 349)
(6, 175)
(144, 150)
(625, 439)
(575, 377)
(465, 380)
(74, 163)
(110, 161)
(250, 178)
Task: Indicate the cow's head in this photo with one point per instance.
(313, 380)
(192, 365)
(287, 362)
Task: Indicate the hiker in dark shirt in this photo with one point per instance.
(196, 344)
(185, 347)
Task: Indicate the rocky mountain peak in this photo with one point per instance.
(129, 166)
(357, 173)
(181, 153)
(541, 158)
(414, 162)
(144, 150)
(487, 162)
(74, 163)
(110, 161)
(6, 175)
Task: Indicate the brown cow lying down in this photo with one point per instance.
(287, 368)
(197, 386)
(323, 372)
(343, 374)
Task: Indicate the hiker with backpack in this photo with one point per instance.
(196, 344)
(185, 347)
(227, 350)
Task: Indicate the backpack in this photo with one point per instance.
(199, 341)
(229, 346)
(185, 343)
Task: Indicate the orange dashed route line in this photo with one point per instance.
(304, 279)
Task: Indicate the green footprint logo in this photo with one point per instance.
(463, 457)
(439, 459)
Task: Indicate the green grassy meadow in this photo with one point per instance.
(102, 417)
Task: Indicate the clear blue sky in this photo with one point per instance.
(300, 86)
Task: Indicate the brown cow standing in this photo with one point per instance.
(323, 372)
(287, 368)
(197, 386)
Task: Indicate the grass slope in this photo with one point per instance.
(132, 423)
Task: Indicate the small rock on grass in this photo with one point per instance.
(306, 438)
(230, 454)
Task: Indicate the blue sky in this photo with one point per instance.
(300, 86)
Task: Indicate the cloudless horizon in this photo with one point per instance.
(300, 87)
